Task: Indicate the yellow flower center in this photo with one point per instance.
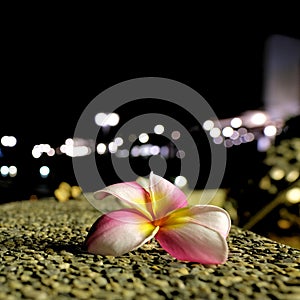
(159, 222)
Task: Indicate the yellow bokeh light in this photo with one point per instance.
(293, 195)
(276, 173)
(265, 183)
(284, 224)
(292, 176)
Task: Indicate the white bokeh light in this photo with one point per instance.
(215, 132)
(4, 170)
(100, 119)
(113, 119)
(112, 147)
(180, 181)
(44, 171)
(110, 119)
(12, 171)
(154, 150)
(8, 141)
(143, 138)
(119, 141)
(258, 118)
(159, 129)
(208, 125)
(236, 122)
(227, 131)
(270, 130)
(101, 148)
(36, 153)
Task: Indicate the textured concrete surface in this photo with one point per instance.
(41, 258)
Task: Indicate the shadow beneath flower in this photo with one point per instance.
(24, 244)
(73, 248)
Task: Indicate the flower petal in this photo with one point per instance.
(133, 194)
(165, 196)
(144, 182)
(213, 217)
(119, 232)
(186, 238)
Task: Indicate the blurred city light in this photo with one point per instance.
(107, 119)
(208, 125)
(112, 147)
(119, 141)
(12, 171)
(175, 135)
(159, 129)
(180, 181)
(101, 148)
(4, 170)
(236, 122)
(143, 138)
(44, 171)
(293, 195)
(8, 141)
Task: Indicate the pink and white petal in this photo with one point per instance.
(213, 217)
(133, 194)
(144, 182)
(165, 196)
(119, 232)
(194, 243)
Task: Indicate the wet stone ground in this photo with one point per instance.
(41, 258)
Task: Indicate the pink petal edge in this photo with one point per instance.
(165, 196)
(133, 194)
(119, 232)
(213, 217)
(194, 243)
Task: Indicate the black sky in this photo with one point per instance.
(54, 61)
(49, 75)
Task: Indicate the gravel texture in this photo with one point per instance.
(41, 258)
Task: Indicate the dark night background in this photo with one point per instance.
(51, 72)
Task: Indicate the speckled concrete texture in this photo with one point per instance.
(42, 258)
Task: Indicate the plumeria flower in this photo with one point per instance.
(190, 233)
